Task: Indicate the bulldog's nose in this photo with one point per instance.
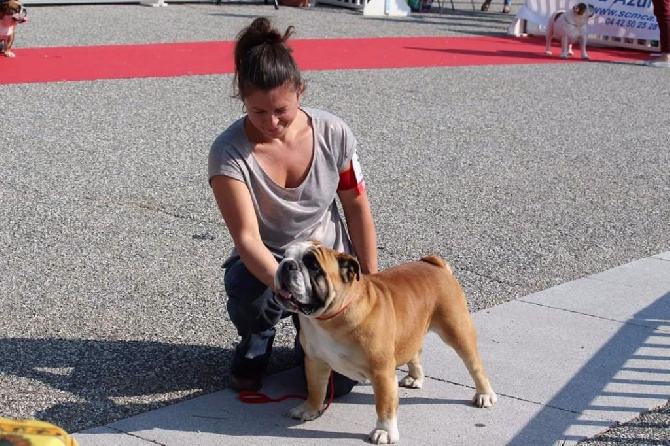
(290, 265)
(288, 269)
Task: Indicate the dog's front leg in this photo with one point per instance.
(317, 373)
(385, 387)
(7, 45)
(566, 48)
(582, 45)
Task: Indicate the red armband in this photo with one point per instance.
(352, 178)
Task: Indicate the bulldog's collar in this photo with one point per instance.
(344, 307)
(569, 22)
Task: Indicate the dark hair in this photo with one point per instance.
(263, 60)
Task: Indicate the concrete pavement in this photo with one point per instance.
(567, 363)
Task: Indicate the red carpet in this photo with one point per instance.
(198, 58)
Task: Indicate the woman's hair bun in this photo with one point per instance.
(263, 58)
(262, 32)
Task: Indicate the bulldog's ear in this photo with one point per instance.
(349, 267)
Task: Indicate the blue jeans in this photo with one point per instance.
(254, 312)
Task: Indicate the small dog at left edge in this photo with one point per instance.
(12, 13)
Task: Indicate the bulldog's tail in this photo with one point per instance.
(437, 261)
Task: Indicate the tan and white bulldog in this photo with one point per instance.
(569, 27)
(364, 326)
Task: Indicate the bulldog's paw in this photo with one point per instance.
(485, 399)
(585, 56)
(412, 383)
(548, 52)
(304, 413)
(380, 436)
(9, 54)
(564, 55)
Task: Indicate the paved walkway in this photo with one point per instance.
(567, 363)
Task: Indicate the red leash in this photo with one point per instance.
(254, 397)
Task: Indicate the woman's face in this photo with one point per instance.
(272, 112)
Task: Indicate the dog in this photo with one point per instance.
(364, 326)
(12, 13)
(569, 27)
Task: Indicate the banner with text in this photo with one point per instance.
(631, 19)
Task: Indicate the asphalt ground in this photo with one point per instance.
(522, 176)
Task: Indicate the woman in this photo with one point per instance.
(275, 174)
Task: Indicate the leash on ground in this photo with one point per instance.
(254, 397)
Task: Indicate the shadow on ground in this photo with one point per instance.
(99, 381)
(638, 355)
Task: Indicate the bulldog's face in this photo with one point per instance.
(311, 277)
(584, 11)
(14, 9)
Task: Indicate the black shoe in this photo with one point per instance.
(244, 383)
(341, 385)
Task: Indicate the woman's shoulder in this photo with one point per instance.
(325, 120)
(229, 151)
(333, 136)
(317, 114)
(231, 137)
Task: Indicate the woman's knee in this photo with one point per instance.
(238, 280)
(251, 305)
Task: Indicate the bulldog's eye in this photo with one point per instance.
(310, 262)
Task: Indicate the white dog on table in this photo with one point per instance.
(569, 27)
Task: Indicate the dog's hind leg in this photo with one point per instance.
(414, 378)
(550, 35)
(462, 337)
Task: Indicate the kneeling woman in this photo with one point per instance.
(276, 174)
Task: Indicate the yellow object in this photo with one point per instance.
(33, 433)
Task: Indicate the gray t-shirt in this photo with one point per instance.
(307, 212)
